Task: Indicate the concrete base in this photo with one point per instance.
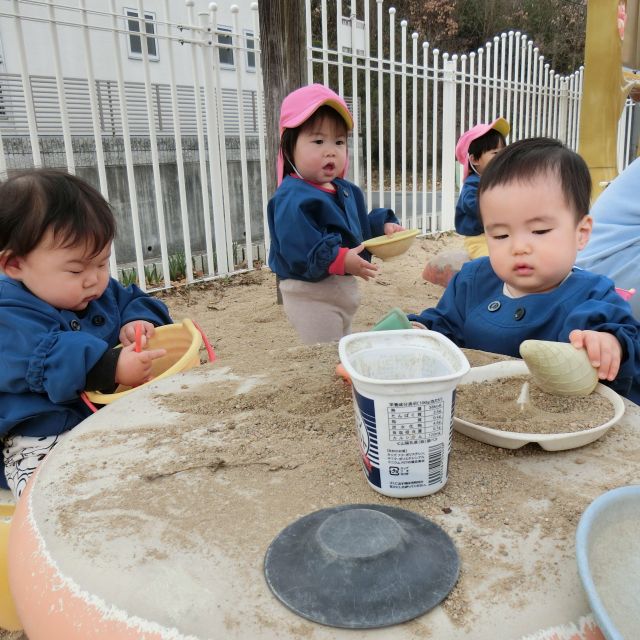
(138, 516)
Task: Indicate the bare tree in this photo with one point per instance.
(283, 46)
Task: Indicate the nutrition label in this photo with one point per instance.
(415, 422)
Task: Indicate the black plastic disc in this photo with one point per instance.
(361, 566)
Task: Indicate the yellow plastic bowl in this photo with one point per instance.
(8, 617)
(182, 341)
(385, 247)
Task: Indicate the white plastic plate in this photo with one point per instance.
(548, 441)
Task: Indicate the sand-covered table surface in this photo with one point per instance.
(265, 435)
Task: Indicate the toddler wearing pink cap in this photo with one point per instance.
(318, 220)
(474, 150)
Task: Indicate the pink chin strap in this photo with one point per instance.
(300, 105)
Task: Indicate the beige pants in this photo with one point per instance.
(321, 311)
(476, 246)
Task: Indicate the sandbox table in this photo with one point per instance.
(151, 520)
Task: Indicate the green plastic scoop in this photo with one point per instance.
(395, 319)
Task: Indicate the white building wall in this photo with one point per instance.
(37, 38)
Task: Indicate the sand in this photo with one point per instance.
(306, 402)
(615, 570)
(494, 404)
(248, 328)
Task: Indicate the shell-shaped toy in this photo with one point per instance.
(559, 368)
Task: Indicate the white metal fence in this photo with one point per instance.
(150, 144)
(413, 102)
(184, 165)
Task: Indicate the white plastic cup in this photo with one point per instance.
(404, 386)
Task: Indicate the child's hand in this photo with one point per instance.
(128, 331)
(417, 325)
(357, 266)
(391, 227)
(135, 368)
(603, 349)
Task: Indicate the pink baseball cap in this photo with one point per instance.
(301, 104)
(465, 140)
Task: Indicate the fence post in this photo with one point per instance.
(62, 99)
(563, 111)
(448, 142)
(26, 88)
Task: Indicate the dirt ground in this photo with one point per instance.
(251, 335)
(245, 324)
(240, 314)
(249, 330)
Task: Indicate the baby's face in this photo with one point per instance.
(532, 234)
(320, 153)
(481, 163)
(65, 277)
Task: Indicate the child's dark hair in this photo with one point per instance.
(527, 159)
(491, 140)
(290, 136)
(38, 200)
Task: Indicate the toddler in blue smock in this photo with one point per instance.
(475, 149)
(614, 247)
(61, 315)
(318, 220)
(534, 203)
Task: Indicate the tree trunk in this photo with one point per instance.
(283, 56)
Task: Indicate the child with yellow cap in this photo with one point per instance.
(474, 150)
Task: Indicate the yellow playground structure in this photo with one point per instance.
(611, 42)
